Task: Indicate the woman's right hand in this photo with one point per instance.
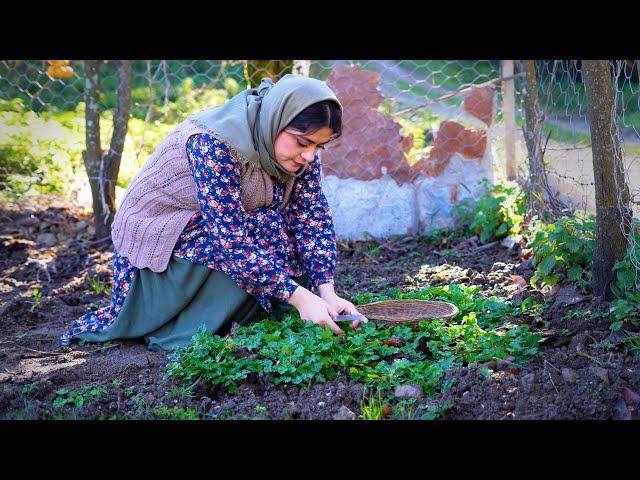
(314, 309)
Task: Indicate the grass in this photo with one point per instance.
(373, 406)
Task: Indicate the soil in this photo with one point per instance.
(45, 246)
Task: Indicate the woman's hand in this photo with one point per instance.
(340, 305)
(314, 309)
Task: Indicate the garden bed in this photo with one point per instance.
(50, 274)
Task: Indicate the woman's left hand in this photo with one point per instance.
(341, 305)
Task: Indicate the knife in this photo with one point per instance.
(348, 318)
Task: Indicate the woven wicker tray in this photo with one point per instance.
(395, 312)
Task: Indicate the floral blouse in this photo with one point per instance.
(260, 250)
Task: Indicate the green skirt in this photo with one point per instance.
(168, 308)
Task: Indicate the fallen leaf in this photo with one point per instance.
(519, 280)
(630, 397)
(393, 342)
(620, 410)
(525, 254)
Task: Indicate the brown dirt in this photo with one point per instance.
(33, 368)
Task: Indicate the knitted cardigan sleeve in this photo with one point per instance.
(218, 179)
(309, 218)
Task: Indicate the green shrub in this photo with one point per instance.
(37, 151)
(499, 212)
(626, 282)
(563, 250)
(43, 151)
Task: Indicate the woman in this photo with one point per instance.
(226, 216)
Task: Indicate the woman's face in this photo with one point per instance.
(294, 149)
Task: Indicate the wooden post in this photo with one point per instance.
(509, 118)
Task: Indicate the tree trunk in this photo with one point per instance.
(120, 127)
(612, 219)
(92, 156)
(255, 70)
(102, 169)
(533, 137)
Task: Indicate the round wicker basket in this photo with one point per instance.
(396, 312)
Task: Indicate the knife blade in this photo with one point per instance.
(348, 318)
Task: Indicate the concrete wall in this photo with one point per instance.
(370, 185)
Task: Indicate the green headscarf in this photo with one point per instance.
(250, 122)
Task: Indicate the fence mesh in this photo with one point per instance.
(566, 137)
(626, 129)
(416, 95)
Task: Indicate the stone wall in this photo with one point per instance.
(370, 185)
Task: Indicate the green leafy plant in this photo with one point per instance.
(622, 310)
(499, 212)
(404, 410)
(562, 250)
(37, 296)
(77, 398)
(289, 351)
(633, 342)
(99, 287)
(184, 391)
(175, 413)
(626, 284)
(30, 390)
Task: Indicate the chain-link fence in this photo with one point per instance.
(566, 132)
(417, 94)
(626, 129)
(156, 83)
(566, 143)
(413, 97)
(406, 117)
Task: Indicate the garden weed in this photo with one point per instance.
(30, 390)
(77, 398)
(498, 212)
(37, 296)
(175, 413)
(372, 405)
(563, 250)
(99, 287)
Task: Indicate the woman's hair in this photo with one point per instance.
(322, 114)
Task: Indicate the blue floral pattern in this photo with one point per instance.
(260, 250)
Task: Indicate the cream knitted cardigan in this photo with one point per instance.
(162, 198)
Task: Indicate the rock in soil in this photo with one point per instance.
(526, 382)
(408, 390)
(569, 375)
(344, 414)
(600, 373)
(620, 410)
